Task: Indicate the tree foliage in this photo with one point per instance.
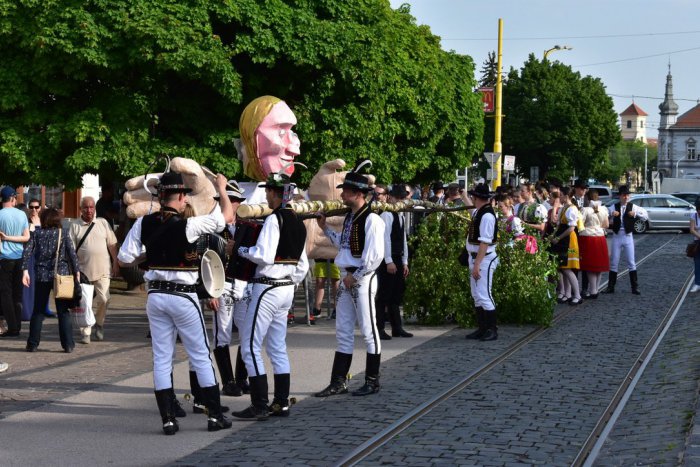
(626, 159)
(108, 85)
(557, 120)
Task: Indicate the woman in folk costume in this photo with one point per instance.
(513, 224)
(565, 246)
(593, 244)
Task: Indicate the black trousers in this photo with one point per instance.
(390, 292)
(11, 293)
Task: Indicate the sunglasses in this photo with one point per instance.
(34, 207)
(380, 193)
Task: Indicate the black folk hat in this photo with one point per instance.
(172, 182)
(399, 190)
(356, 180)
(580, 184)
(480, 191)
(624, 190)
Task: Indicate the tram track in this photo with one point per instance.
(594, 440)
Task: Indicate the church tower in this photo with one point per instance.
(633, 123)
(668, 108)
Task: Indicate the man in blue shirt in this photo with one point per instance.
(14, 233)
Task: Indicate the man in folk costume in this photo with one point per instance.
(280, 256)
(172, 306)
(481, 246)
(360, 252)
(624, 215)
(393, 271)
(229, 308)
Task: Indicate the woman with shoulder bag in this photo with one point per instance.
(695, 232)
(50, 258)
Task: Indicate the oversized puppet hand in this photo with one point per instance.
(140, 201)
(323, 188)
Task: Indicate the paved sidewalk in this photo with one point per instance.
(96, 405)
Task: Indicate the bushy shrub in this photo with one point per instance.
(438, 286)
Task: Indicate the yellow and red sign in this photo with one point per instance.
(488, 98)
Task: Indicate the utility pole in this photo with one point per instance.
(497, 147)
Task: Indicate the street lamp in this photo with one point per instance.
(556, 47)
(678, 162)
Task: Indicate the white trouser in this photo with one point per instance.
(223, 317)
(170, 314)
(619, 241)
(266, 317)
(357, 305)
(232, 307)
(481, 289)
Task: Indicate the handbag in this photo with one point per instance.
(82, 315)
(63, 286)
(691, 250)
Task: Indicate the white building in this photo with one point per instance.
(633, 124)
(678, 137)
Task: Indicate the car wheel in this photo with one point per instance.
(640, 226)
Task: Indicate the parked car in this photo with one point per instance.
(665, 212)
(689, 196)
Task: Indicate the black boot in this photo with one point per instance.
(339, 376)
(223, 361)
(280, 404)
(258, 400)
(216, 420)
(199, 402)
(490, 319)
(481, 325)
(612, 280)
(177, 407)
(371, 385)
(165, 406)
(241, 373)
(634, 283)
(397, 329)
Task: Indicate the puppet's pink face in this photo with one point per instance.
(277, 144)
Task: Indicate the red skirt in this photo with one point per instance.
(594, 254)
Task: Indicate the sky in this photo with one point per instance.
(627, 44)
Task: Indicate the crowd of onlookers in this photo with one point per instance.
(36, 244)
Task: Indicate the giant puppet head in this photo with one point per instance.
(266, 132)
(267, 144)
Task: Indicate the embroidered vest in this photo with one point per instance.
(292, 237)
(247, 233)
(475, 226)
(357, 230)
(163, 234)
(628, 221)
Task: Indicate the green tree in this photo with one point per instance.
(108, 85)
(557, 120)
(489, 71)
(626, 159)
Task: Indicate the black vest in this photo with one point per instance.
(628, 221)
(292, 237)
(163, 234)
(475, 225)
(247, 233)
(357, 230)
(396, 238)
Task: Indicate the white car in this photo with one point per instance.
(665, 212)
